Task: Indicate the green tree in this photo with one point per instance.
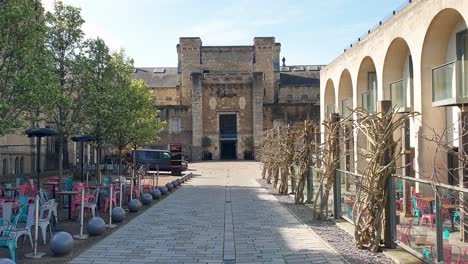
(26, 82)
(99, 83)
(65, 40)
(134, 119)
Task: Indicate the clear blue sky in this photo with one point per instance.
(310, 31)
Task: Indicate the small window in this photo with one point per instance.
(155, 99)
(175, 125)
(168, 98)
(166, 155)
(277, 123)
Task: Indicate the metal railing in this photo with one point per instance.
(346, 107)
(369, 101)
(424, 217)
(401, 96)
(383, 20)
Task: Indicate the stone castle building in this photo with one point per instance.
(217, 102)
(220, 99)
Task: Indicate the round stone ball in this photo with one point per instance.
(169, 186)
(6, 261)
(179, 181)
(61, 243)
(164, 190)
(118, 214)
(96, 226)
(156, 193)
(147, 199)
(135, 205)
(175, 184)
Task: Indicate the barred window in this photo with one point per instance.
(175, 125)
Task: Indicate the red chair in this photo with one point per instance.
(405, 232)
(76, 199)
(448, 250)
(425, 213)
(114, 198)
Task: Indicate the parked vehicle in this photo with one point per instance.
(154, 158)
(184, 163)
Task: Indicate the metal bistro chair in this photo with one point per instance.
(26, 230)
(92, 202)
(44, 219)
(8, 240)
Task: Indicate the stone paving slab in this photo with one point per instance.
(220, 216)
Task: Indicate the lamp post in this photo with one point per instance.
(82, 139)
(39, 133)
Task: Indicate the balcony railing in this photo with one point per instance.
(401, 96)
(330, 109)
(368, 100)
(346, 107)
(447, 85)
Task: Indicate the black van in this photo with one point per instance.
(154, 158)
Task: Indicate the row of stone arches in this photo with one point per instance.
(399, 65)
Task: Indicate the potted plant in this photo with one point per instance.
(206, 143)
(248, 146)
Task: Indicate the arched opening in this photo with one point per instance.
(398, 87)
(345, 101)
(329, 99)
(442, 68)
(367, 99)
(22, 166)
(367, 85)
(17, 167)
(5, 167)
(398, 75)
(345, 94)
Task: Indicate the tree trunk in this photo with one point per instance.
(60, 161)
(120, 160)
(98, 164)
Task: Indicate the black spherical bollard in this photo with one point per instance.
(156, 193)
(96, 226)
(169, 186)
(134, 205)
(179, 181)
(61, 243)
(175, 184)
(147, 199)
(118, 214)
(6, 261)
(163, 190)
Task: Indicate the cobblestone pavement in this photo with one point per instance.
(222, 215)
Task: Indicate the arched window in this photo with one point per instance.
(5, 167)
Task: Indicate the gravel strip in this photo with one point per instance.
(341, 241)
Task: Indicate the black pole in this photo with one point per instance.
(81, 161)
(38, 161)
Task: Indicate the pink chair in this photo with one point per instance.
(24, 190)
(426, 213)
(405, 232)
(448, 250)
(114, 198)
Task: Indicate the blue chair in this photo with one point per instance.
(8, 239)
(417, 211)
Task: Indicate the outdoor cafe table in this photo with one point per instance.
(69, 193)
(53, 188)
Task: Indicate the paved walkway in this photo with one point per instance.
(222, 215)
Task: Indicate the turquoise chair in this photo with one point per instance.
(8, 240)
(400, 189)
(456, 215)
(68, 187)
(417, 211)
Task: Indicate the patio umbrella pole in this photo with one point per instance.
(131, 189)
(111, 194)
(81, 236)
(154, 175)
(120, 193)
(35, 254)
(157, 177)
